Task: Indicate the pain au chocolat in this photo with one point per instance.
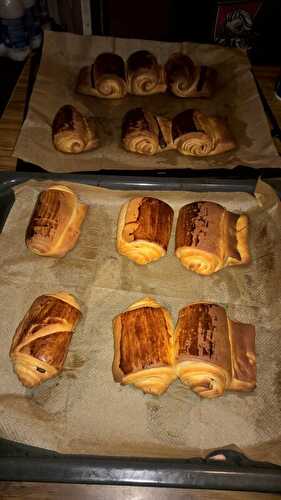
(145, 133)
(196, 134)
(207, 351)
(54, 227)
(212, 352)
(72, 132)
(143, 347)
(209, 237)
(41, 341)
(144, 229)
(144, 75)
(191, 133)
(184, 79)
(106, 78)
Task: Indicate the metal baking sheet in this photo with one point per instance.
(232, 471)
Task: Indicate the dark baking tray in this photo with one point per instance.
(20, 462)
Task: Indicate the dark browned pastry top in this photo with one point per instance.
(109, 63)
(183, 123)
(177, 65)
(142, 59)
(144, 339)
(46, 216)
(64, 119)
(51, 349)
(202, 331)
(195, 223)
(135, 119)
(154, 222)
(46, 310)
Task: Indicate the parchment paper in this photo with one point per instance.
(84, 410)
(236, 98)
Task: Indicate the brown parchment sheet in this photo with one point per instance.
(236, 98)
(83, 410)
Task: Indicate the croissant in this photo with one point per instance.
(144, 229)
(184, 79)
(196, 134)
(105, 78)
(144, 75)
(208, 237)
(143, 347)
(54, 227)
(203, 353)
(72, 132)
(41, 341)
(145, 133)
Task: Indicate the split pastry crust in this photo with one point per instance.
(40, 344)
(196, 134)
(145, 133)
(191, 133)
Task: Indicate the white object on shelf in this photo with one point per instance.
(13, 31)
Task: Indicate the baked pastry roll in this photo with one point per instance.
(202, 349)
(72, 132)
(243, 355)
(41, 341)
(184, 79)
(196, 134)
(54, 227)
(144, 229)
(144, 75)
(208, 237)
(105, 78)
(143, 347)
(145, 133)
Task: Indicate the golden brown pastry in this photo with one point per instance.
(145, 133)
(196, 134)
(209, 352)
(144, 75)
(72, 132)
(203, 353)
(106, 78)
(243, 354)
(208, 237)
(54, 227)
(144, 229)
(143, 347)
(41, 341)
(184, 79)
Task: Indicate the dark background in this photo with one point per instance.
(185, 20)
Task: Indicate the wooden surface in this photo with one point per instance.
(12, 117)
(11, 120)
(47, 491)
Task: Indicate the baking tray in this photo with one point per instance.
(235, 173)
(231, 470)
